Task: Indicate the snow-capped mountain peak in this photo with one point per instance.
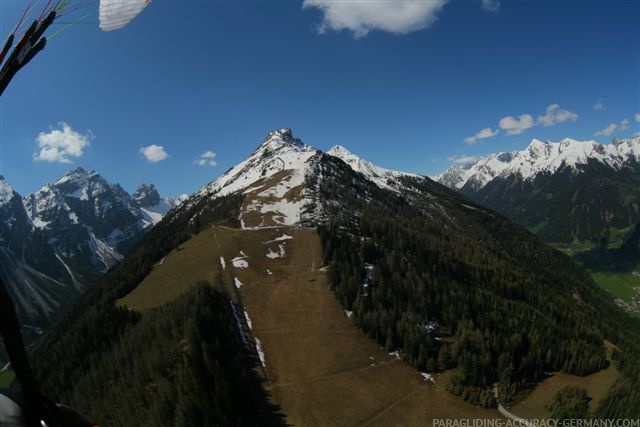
(541, 157)
(6, 191)
(280, 151)
(273, 179)
(75, 175)
(275, 139)
(146, 195)
(380, 176)
(152, 206)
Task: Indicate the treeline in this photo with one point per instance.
(623, 400)
(455, 286)
(178, 365)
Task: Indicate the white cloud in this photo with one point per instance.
(484, 133)
(515, 126)
(462, 160)
(624, 125)
(154, 153)
(60, 145)
(637, 117)
(206, 159)
(608, 130)
(556, 115)
(614, 127)
(362, 16)
(491, 5)
(599, 105)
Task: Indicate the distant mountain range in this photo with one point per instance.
(568, 192)
(54, 243)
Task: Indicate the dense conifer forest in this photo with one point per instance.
(570, 403)
(455, 286)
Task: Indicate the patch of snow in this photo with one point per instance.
(80, 193)
(348, 313)
(222, 263)
(428, 377)
(260, 352)
(237, 282)
(151, 216)
(240, 262)
(40, 224)
(103, 253)
(75, 282)
(280, 239)
(269, 273)
(382, 177)
(249, 322)
(431, 326)
(280, 254)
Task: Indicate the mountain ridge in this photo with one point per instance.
(569, 193)
(55, 242)
(540, 157)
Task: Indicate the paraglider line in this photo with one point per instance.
(67, 26)
(32, 9)
(61, 5)
(75, 8)
(22, 18)
(44, 11)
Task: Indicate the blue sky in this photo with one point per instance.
(406, 85)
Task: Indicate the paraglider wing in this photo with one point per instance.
(115, 14)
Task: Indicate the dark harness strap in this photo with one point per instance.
(39, 408)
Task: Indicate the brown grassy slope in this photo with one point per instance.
(321, 369)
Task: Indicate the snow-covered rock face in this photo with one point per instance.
(146, 195)
(6, 191)
(382, 177)
(85, 199)
(272, 179)
(58, 240)
(152, 206)
(14, 224)
(279, 151)
(541, 157)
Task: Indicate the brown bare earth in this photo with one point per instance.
(320, 368)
